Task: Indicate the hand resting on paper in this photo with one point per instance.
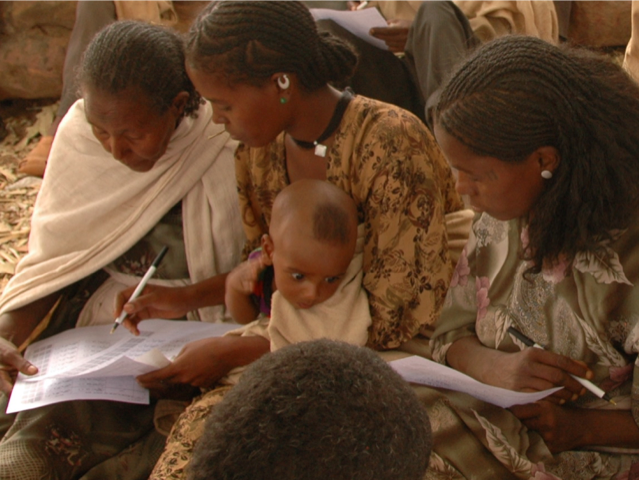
(395, 35)
(528, 370)
(203, 362)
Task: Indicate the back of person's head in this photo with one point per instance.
(140, 57)
(316, 411)
(517, 94)
(248, 42)
(326, 210)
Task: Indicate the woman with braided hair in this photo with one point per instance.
(136, 164)
(267, 73)
(544, 140)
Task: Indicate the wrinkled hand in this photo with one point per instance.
(154, 302)
(533, 369)
(395, 35)
(562, 428)
(11, 362)
(243, 278)
(200, 364)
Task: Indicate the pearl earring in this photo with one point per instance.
(283, 82)
(547, 174)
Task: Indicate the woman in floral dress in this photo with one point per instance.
(544, 140)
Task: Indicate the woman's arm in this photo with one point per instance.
(531, 369)
(204, 362)
(15, 328)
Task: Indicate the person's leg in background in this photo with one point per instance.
(90, 18)
(438, 39)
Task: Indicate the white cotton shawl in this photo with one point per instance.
(91, 209)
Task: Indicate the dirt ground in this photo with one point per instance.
(22, 123)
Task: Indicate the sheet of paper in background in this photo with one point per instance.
(89, 363)
(422, 371)
(358, 22)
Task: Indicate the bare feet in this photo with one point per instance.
(36, 160)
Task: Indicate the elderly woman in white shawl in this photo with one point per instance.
(137, 164)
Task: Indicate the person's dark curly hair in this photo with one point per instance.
(316, 410)
(136, 55)
(516, 94)
(247, 42)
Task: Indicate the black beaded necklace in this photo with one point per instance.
(340, 108)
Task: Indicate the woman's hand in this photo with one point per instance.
(528, 370)
(565, 428)
(154, 302)
(203, 362)
(169, 302)
(533, 369)
(562, 428)
(15, 328)
(11, 362)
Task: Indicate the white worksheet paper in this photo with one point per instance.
(358, 22)
(89, 363)
(422, 371)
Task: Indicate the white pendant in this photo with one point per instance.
(320, 150)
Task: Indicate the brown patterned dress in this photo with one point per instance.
(389, 163)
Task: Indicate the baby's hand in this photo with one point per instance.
(243, 278)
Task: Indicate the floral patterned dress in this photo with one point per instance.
(590, 315)
(389, 163)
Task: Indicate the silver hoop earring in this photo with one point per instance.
(547, 174)
(283, 82)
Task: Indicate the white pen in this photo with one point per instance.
(586, 383)
(138, 290)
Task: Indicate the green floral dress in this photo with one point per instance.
(590, 315)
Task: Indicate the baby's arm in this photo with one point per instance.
(240, 285)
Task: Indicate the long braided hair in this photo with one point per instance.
(248, 42)
(149, 58)
(517, 94)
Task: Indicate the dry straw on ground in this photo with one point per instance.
(24, 123)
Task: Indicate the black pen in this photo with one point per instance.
(138, 290)
(589, 385)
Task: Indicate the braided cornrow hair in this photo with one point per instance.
(138, 55)
(247, 42)
(517, 94)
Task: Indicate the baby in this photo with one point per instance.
(307, 256)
